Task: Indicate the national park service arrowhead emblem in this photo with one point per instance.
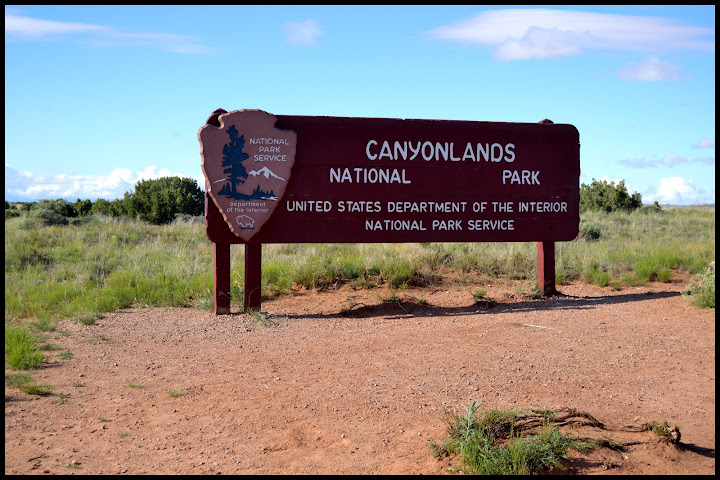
(247, 163)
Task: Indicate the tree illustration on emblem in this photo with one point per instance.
(233, 156)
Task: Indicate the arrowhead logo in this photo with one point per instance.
(247, 163)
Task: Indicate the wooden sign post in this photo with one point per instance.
(296, 179)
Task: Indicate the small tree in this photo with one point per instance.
(82, 208)
(158, 201)
(102, 207)
(608, 197)
(59, 206)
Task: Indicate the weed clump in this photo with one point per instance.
(670, 434)
(510, 442)
(20, 350)
(702, 292)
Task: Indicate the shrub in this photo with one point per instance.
(20, 350)
(47, 217)
(158, 201)
(589, 231)
(608, 197)
(702, 292)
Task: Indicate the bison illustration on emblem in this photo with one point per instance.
(245, 222)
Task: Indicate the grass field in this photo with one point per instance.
(88, 267)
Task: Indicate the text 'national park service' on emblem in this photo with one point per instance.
(247, 163)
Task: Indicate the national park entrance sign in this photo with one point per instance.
(297, 179)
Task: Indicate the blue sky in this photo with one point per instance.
(98, 98)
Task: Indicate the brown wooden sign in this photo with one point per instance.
(377, 180)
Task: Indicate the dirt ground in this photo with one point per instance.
(356, 382)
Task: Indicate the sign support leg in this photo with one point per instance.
(253, 277)
(221, 278)
(546, 268)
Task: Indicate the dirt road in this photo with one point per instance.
(305, 389)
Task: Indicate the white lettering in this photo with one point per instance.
(367, 150)
(414, 151)
(543, 207)
(269, 141)
(491, 224)
(402, 149)
(270, 158)
(439, 148)
(397, 150)
(447, 225)
(509, 151)
(430, 155)
(426, 207)
(499, 155)
(368, 175)
(308, 206)
(385, 151)
(359, 207)
(469, 153)
(390, 225)
(522, 177)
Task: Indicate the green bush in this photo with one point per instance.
(589, 231)
(20, 350)
(159, 201)
(702, 292)
(608, 197)
(47, 217)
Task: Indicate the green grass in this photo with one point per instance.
(24, 382)
(21, 352)
(82, 270)
(702, 290)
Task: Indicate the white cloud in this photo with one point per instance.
(27, 186)
(301, 33)
(651, 70)
(541, 43)
(21, 28)
(520, 34)
(678, 191)
(705, 143)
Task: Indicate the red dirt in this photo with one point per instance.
(308, 390)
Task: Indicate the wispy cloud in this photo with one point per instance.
(519, 34)
(301, 33)
(22, 28)
(19, 27)
(666, 161)
(651, 70)
(28, 186)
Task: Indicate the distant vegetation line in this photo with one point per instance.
(161, 201)
(100, 263)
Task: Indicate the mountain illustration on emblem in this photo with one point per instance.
(237, 174)
(265, 172)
